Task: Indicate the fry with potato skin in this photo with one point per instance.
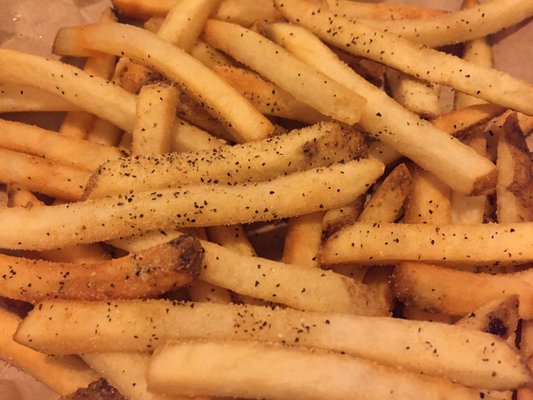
(143, 325)
(484, 244)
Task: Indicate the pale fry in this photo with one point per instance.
(267, 97)
(232, 237)
(156, 109)
(62, 374)
(460, 26)
(36, 141)
(146, 274)
(143, 325)
(297, 78)
(315, 146)
(382, 117)
(487, 244)
(192, 206)
(221, 100)
(233, 370)
(42, 176)
(201, 291)
(208, 55)
(423, 63)
(442, 289)
(19, 98)
(303, 239)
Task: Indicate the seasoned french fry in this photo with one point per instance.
(337, 218)
(241, 118)
(201, 291)
(208, 55)
(297, 78)
(315, 146)
(152, 272)
(423, 63)
(357, 9)
(142, 325)
(62, 374)
(18, 98)
(460, 26)
(303, 373)
(432, 149)
(42, 176)
(302, 240)
(36, 141)
(487, 244)
(442, 289)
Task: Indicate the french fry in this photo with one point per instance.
(105, 133)
(460, 26)
(232, 237)
(414, 59)
(515, 179)
(156, 109)
(241, 118)
(337, 218)
(267, 97)
(152, 272)
(357, 9)
(62, 374)
(143, 325)
(42, 176)
(303, 373)
(487, 244)
(315, 146)
(302, 240)
(208, 55)
(36, 141)
(201, 291)
(430, 148)
(297, 78)
(19, 98)
(441, 289)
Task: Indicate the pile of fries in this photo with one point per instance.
(126, 270)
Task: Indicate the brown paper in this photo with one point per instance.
(30, 25)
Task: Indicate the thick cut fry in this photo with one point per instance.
(144, 325)
(356, 9)
(442, 289)
(414, 59)
(192, 206)
(310, 147)
(33, 140)
(253, 370)
(19, 98)
(156, 109)
(234, 111)
(432, 149)
(302, 240)
(515, 179)
(267, 97)
(487, 244)
(297, 78)
(460, 26)
(457, 122)
(62, 374)
(42, 176)
(152, 272)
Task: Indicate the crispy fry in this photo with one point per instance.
(143, 325)
(152, 272)
(297, 78)
(413, 59)
(310, 147)
(432, 149)
(487, 244)
(242, 119)
(62, 374)
(303, 373)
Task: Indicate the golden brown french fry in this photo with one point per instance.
(442, 289)
(62, 374)
(297, 78)
(423, 63)
(42, 176)
(222, 101)
(515, 179)
(357, 9)
(143, 325)
(266, 96)
(302, 240)
(463, 25)
(315, 146)
(149, 273)
(234, 369)
(457, 122)
(487, 244)
(382, 117)
(36, 141)
(19, 98)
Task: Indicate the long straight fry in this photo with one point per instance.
(18, 98)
